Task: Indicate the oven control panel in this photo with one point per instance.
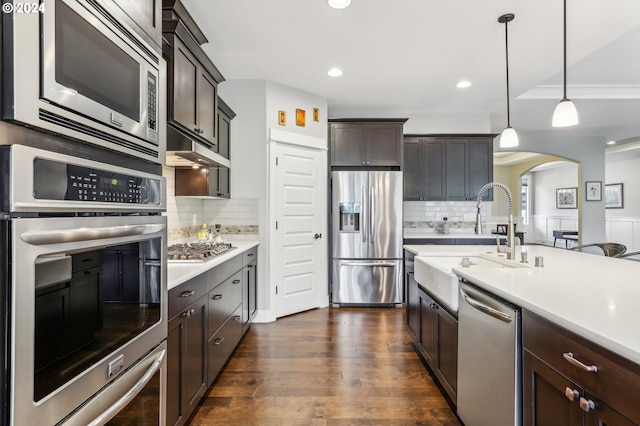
(55, 180)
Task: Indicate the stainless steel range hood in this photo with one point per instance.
(183, 151)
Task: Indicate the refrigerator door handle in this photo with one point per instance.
(371, 215)
(364, 225)
(383, 264)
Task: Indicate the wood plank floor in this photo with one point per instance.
(347, 366)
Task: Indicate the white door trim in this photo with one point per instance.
(277, 135)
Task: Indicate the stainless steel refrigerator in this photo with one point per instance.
(366, 243)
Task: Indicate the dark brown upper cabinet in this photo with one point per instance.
(191, 76)
(225, 115)
(366, 143)
(439, 168)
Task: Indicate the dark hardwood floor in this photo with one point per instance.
(347, 366)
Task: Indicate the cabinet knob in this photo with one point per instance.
(217, 297)
(587, 405)
(188, 293)
(571, 394)
(236, 282)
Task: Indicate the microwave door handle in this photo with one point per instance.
(135, 390)
(39, 238)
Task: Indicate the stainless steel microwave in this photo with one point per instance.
(73, 68)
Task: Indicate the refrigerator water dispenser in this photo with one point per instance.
(349, 217)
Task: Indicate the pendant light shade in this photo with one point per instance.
(565, 113)
(509, 137)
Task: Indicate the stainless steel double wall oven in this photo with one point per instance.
(83, 291)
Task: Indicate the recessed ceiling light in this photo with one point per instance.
(338, 4)
(335, 72)
(463, 84)
(611, 143)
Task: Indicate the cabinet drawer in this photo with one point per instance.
(249, 256)
(617, 379)
(185, 294)
(223, 301)
(82, 261)
(222, 344)
(223, 271)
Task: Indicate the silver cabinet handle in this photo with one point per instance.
(572, 360)
(188, 293)
(236, 282)
(218, 341)
(217, 297)
(486, 309)
(135, 390)
(571, 394)
(587, 405)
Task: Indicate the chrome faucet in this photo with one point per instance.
(511, 242)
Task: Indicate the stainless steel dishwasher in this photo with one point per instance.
(489, 360)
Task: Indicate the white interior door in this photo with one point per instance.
(301, 236)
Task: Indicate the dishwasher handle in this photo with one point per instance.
(486, 309)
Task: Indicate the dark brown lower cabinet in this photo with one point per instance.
(559, 389)
(186, 361)
(437, 336)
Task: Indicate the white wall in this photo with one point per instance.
(545, 183)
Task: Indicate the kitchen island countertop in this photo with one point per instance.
(590, 295)
(178, 273)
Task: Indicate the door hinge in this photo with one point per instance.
(276, 161)
(276, 289)
(276, 224)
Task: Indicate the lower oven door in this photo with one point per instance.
(135, 398)
(88, 302)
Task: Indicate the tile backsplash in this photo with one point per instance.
(238, 217)
(428, 215)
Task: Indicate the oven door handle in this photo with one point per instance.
(59, 236)
(126, 399)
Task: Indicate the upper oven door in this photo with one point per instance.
(88, 301)
(96, 69)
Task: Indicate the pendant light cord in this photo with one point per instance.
(506, 43)
(564, 54)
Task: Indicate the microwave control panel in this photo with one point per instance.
(55, 180)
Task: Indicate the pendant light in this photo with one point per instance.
(509, 137)
(565, 113)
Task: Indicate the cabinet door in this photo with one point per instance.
(413, 306)
(457, 168)
(549, 398)
(185, 80)
(429, 330)
(601, 414)
(224, 134)
(432, 157)
(383, 144)
(176, 410)
(207, 108)
(413, 170)
(347, 144)
(253, 288)
(480, 167)
(448, 351)
(195, 368)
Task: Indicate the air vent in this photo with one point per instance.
(82, 128)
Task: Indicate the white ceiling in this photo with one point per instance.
(404, 57)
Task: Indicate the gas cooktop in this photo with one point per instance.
(196, 252)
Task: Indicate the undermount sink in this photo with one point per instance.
(435, 274)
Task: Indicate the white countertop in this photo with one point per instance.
(177, 273)
(593, 296)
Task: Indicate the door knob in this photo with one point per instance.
(316, 236)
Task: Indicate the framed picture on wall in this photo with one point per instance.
(567, 198)
(613, 196)
(593, 190)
